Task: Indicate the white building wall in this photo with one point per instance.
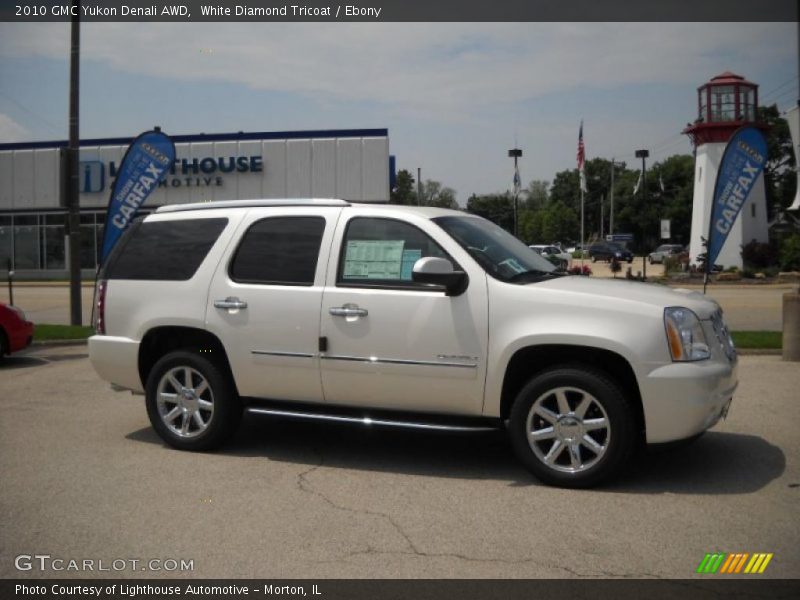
(748, 226)
(352, 168)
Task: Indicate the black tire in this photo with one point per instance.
(594, 258)
(606, 402)
(220, 422)
(4, 346)
(650, 260)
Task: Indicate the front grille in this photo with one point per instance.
(723, 335)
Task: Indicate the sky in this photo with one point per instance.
(454, 96)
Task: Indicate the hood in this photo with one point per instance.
(634, 291)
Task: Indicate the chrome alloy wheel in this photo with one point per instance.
(185, 402)
(568, 429)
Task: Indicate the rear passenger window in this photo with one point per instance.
(279, 251)
(164, 250)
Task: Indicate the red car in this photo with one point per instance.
(16, 332)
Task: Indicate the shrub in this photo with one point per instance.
(577, 270)
(790, 253)
(672, 264)
(758, 255)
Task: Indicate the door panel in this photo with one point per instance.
(415, 348)
(272, 344)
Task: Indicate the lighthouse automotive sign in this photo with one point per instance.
(742, 162)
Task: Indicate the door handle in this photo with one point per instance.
(231, 302)
(348, 310)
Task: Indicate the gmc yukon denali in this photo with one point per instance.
(401, 316)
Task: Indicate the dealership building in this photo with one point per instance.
(349, 164)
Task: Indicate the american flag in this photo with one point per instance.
(581, 157)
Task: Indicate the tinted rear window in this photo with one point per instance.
(164, 250)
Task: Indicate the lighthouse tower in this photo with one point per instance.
(724, 104)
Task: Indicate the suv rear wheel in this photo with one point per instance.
(572, 427)
(191, 401)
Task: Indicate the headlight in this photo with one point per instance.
(685, 335)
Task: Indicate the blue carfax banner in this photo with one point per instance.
(742, 162)
(147, 161)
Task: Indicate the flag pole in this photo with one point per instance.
(583, 245)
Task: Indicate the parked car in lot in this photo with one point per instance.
(16, 332)
(401, 316)
(553, 253)
(663, 251)
(607, 251)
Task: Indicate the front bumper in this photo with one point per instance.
(21, 337)
(681, 400)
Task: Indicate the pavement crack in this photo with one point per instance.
(305, 485)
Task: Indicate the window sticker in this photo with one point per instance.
(409, 258)
(514, 265)
(373, 259)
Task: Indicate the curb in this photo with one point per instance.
(759, 351)
(46, 343)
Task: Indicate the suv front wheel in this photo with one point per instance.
(191, 401)
(572, 427)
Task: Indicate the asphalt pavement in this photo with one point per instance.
(85, 477)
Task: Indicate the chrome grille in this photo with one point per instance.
(723, 335)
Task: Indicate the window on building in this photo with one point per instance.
(279, 251)
(54, 241)
(27, 253)
(6, 241)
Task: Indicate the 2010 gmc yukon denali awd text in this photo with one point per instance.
(408, 316)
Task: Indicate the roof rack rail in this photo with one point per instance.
(252, 204)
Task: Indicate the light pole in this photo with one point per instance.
(614, 165)
(516, 154)
(643, 154)
(72, 189)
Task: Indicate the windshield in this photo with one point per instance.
(502, 255)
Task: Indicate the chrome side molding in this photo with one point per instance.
(367, 421)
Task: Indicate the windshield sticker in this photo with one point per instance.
(373, 259)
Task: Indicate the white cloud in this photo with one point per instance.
(11, 131)
(437, 69)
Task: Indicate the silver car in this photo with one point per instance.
(663, 251)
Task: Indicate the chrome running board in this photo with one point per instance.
(369, 421)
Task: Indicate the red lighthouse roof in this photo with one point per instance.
(728, 77)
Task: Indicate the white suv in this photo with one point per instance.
(404, 316)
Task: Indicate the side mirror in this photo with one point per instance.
(439, 271)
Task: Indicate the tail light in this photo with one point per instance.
(100, 307)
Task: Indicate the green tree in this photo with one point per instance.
(780, 180)
(536, 196)
(497, 208)
(434, 194)
(559, 223)
(403, 192)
